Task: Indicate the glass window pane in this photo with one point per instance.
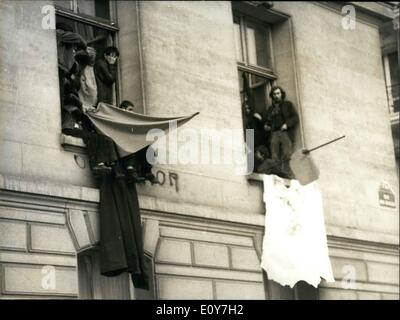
(102, 9)
(240, 73)
(64, 4)
(394, 68)
(260, 92)
(95, 37)
(95, 8)
(258, 46)
(394, 88)
(86, 7)
(251, 46)
(396, 105)
(238, 42)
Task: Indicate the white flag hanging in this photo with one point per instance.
(294, 246)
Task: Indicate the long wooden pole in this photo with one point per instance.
(323, 145)
(306, 151)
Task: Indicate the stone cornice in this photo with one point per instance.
(52, 196)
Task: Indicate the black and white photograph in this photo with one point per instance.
(207, 151)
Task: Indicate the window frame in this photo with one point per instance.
(389, 85)
(98, 22)
(68, 142)
(245, 66)
(267, 74)
(100, 25)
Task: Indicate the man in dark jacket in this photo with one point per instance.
(105, 71)
(280, 120)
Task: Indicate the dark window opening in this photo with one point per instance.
(273, 124)
(91, 8)
(254, 98)
(80, 87)
(102, 9)
(394, 86)
(95, 37)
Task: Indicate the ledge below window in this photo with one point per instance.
(255, 177)
(72, 144)
(260, 177)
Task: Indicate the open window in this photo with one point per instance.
(263, 49)
(255, 67)
(390, 58)
(392, 75)
(94, 22)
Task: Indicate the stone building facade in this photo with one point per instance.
(203, 225)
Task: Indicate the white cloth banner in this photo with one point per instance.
(294, 245)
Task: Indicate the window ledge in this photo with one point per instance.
(255, 177)
(72, 144)
(260, 177)
(394, 117)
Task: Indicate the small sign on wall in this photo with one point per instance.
(386, 196)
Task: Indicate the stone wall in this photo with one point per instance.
(29, 97)
(342, 92)
(37, 253)
(204, 219)
(208, 262)
(189, 66)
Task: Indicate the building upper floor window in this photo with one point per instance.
(265, 109)
(254, 61)
(253, 44)
(392, 73)
(94, 8)
(92, 19)
(86, 75)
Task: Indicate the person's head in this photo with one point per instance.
(277, 94)
(92, 55)
(247, 109)
(67, 45)
(261, 153)
(127, 105)
(86, 57)
(82, 57)
(111, 54)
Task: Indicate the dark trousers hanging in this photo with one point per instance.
(121, 245)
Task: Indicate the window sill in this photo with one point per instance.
(255, 177)
(72, 144)
(260, 177)
(394, 117)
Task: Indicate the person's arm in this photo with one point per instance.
(267, 120)
(292, 118)
(106, 72)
